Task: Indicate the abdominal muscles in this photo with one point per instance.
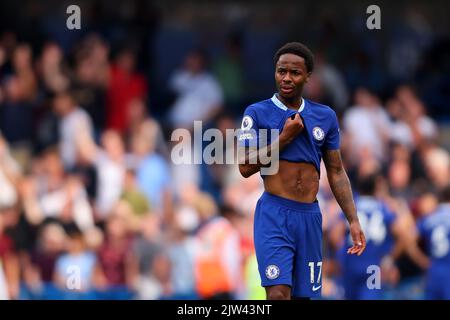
(297, 181)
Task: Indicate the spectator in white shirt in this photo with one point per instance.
(74, 124)
(367, 127)
(422, 127)
(110, 164)
(199, 95)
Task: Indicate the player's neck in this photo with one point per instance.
(291, 103)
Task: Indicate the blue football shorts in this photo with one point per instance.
(288, 244)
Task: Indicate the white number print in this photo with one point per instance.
(312, 267)
(373, 226)
(439, 242)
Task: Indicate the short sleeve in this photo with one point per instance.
(332, 141)
(60, 266)
(248, 133)
(340, 216)
(421, 228)
(389, 217)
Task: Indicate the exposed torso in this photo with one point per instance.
(299, 161)
(295, 181)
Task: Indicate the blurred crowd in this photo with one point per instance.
(92, 207)
(91, 204)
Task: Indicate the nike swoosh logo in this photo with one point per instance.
(315, 289)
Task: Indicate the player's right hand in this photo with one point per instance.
(358, 238)
(292, 127)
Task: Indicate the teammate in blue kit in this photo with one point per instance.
(288, 222)
(434, 229)
(386, 234)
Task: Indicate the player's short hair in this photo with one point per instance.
(445, 194)
(73, 231)
(366, 184)
(298, 49)
(69, 92)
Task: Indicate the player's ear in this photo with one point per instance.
(307, 77)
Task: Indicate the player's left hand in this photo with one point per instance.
(359, 240)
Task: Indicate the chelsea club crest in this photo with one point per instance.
(272, 272)
(318, 133)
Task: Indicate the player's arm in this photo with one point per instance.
(341, 188)
(246, 167)
(404, 230)
(249, 160)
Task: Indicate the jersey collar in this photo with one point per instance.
(281, 105)
(445, 206)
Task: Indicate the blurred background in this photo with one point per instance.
(91, 205)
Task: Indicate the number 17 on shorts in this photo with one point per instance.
(315, 275)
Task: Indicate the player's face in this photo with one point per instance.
(290, 75)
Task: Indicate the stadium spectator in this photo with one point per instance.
(17, 112)
(75, 128)
(399, 176)
(10, 173)
(52, 68)
(76, 270)
(91, 78)
(401, 132)
(437, 166)
(181, 250)
(413, 113)
(53, 193)
(367, 127)
(152, 170)
(125, 84)
(3, 285)
(133, 196)
(147, 245)
(9, 261)
(218, 260)
(39, 265)
(228, 69)
(199, 96)
(333, 87)
(116, 260)
(110, 165)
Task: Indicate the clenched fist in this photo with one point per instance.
(292, 127)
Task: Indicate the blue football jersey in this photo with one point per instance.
(376, 220)
(321, 129)
(435, 230)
